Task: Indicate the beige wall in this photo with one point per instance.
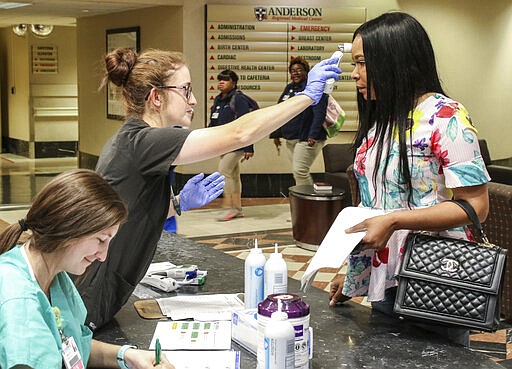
(473, 44)
(160, 27)
(18, 77)
(3, 79)
(51, 94)
(479, 77)
(18, 122)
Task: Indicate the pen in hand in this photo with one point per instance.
(158, 349)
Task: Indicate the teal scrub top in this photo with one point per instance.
(28, 329)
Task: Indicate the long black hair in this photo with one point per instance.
(400, 68)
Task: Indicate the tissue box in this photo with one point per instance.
(244, 329)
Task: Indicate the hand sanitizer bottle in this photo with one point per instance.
(253, 271)
(276, 274)
(279, 341)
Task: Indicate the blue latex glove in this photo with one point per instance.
(318, 75)
(198, 192)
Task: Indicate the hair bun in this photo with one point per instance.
(119, 64)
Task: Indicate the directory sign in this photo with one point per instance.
(262, 41)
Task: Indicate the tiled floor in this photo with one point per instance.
(268, 220)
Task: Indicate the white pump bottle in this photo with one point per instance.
(254, 273)
(276, 274)
(279, 341)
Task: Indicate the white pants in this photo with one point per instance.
(302, 157)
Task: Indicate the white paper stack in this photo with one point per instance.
(201, 307)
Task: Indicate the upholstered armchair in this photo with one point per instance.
(337, 157)
(354, 186)
(498, 228)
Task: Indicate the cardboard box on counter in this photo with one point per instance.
(244, 329)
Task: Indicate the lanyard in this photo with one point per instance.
(56, 312)
(70, 354)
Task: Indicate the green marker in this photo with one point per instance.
(158, 349)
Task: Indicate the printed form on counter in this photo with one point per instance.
(337, 245)
(192, 335)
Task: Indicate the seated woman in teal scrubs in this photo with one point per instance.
(72, 220)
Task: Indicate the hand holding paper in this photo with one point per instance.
(337, 245)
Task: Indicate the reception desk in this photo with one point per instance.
(346, 336)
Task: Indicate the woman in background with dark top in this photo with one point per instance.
(415, 149)
(71, 222)
(304, 134)
(228, 105)
(137, 160)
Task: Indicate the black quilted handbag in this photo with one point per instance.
(451, 281)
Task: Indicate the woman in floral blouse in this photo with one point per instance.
(415, 149)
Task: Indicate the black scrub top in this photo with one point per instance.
(136, 161)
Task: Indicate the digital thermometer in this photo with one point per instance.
(342, 48)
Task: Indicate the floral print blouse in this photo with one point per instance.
(444, 154)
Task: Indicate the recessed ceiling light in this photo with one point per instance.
(12, 5)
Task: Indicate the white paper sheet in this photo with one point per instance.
(200, 307)
(192, 335)
(160, 267)
(337, 245)
(204, 359)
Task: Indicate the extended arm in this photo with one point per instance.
(435, 218)
(207, 143)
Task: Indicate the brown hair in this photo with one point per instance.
(299, 60)
(73, 205)
(137, 74)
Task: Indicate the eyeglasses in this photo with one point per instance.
(187, 88)
(298, 70)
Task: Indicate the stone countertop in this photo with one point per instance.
(347, 336)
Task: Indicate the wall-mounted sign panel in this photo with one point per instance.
(44, 60)
(263, 40)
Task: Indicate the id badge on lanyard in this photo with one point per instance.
(70, 354)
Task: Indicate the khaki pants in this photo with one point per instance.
(302, 157)
(229, 166)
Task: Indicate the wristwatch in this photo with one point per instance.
(120, 355)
